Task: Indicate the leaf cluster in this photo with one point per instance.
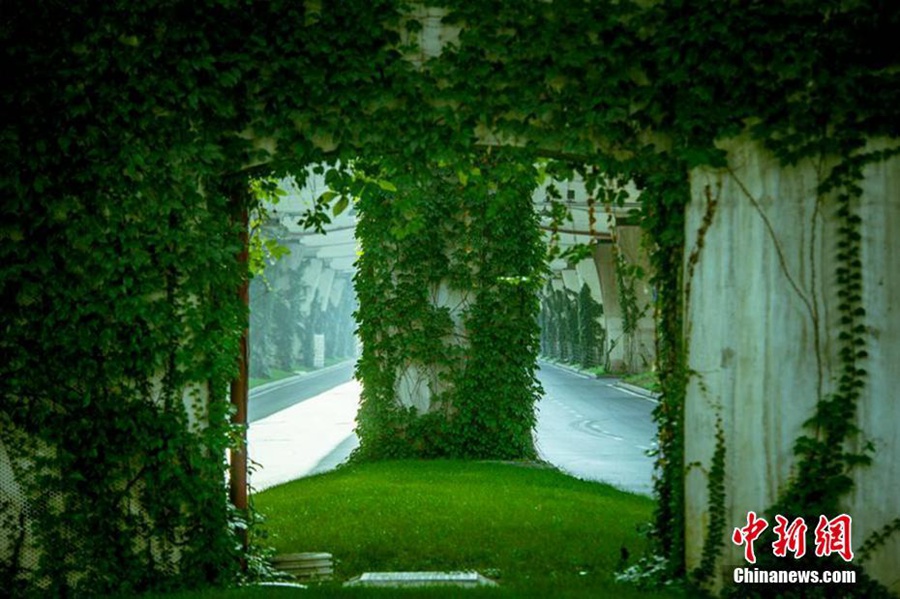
(122, 121)
(451, 261)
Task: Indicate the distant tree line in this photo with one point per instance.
(571, 330)
(284, 320)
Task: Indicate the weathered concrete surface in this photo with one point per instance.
(634, 352)
(640, 346)
(587, 274)
(604, 261)
(760, 321)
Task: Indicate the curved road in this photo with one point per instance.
(274, 397)
(586, 426)
(594, 430)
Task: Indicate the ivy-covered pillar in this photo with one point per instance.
(120, 337)
(622, 266)
(447, 285)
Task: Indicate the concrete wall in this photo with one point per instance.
(605, 263)
(761, 312)
(635, 352)
(417, 383)
(639, 349)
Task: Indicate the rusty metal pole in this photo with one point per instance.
(238, 489)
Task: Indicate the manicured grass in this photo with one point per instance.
(645, 380)
(275, 375)
(597, 371)
(537, 531)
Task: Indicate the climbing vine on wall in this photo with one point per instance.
(117, 254)
(832, 445)
(789, 109)
(130, 407)
(450, 266)
(663, 198)
(627, 277)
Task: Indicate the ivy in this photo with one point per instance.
(627, 276)
(712, 544)
(122, 120)
(447, 287)
(664, 197)
(822, 476)
(106, 422)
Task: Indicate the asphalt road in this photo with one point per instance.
(273, 398)
(586, 426)
(594, 430)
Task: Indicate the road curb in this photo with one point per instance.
(292, 379)
(644, 393)
(638, 391)
(568, 368)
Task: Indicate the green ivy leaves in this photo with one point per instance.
(117, 264)
(480, 244)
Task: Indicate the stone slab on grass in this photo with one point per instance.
(420, 579)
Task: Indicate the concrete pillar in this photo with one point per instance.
(762, 325)
(634, 352)
(309, 277)
(337, 291)
(642, 350)
(323, 287)
(605, 262)
(418, 383)
(318, 350)
(571, 280)
(587, 270)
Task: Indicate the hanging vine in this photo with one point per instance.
(447, 284)
(121, 118)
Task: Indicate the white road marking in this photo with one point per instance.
(644, 397)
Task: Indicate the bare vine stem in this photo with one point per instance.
(694, 257)
(781, 259)
(820, 368)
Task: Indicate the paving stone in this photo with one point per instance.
(417, 579)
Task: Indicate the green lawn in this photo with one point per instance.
(274, 375)
(646, 380)
(538, 532)
(534, 529)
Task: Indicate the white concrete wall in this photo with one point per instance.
(587, 271)
(604, 261)
(639, 349)
(416, 383)
(760, 292)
